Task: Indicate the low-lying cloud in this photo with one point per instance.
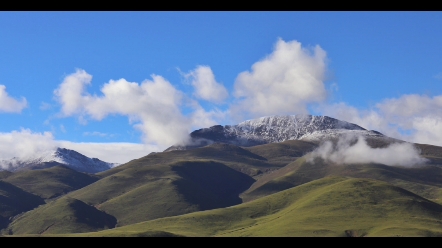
(27, 144)
(355, 150)
(414, 118)
(9, 104)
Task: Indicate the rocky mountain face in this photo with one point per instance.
(273, 129)
(66, 157)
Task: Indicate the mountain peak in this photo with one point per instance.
(267, 129)
(58, 155)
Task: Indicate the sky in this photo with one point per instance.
(119, 85)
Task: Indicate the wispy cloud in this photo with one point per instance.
(45, 106)
(9, 104)
(99, 134)
(438, 76)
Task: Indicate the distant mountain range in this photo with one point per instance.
(264, 130)
(58, 156)
(257, 178)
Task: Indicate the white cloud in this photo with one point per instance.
(414, 118)
(62, 128)
(24, 143)
(355, 150)
(9, 104)
(282, 83)
(154, 106)
(45, 106)
(438, 76)
(111, 152)
(206, 87)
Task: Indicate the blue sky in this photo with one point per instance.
(380, 70)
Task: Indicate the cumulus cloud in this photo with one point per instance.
(414, 118)
(153, 105)
(282, 83)
(355, 150)
(206, 87)
(9, 104)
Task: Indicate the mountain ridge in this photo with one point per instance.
(57, 156)
(270, 129)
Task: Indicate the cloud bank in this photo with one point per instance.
(25, 143)
(9, 104)
(415, 118)
(355, 150)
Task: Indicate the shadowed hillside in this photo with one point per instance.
(66, 215)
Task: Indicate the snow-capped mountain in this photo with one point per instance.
(272, 129)
(66, 157)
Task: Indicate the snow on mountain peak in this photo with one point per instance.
(267, 129)
(69, 158)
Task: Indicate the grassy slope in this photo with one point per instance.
(66, 215)
(333, 206)
(233, 156)
(51, 182)
(425, 181)
(14, 200)
(5, 174)
(145, 192)
(283, 153)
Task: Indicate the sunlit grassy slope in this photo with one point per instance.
(333, 206)
(146, 192)
(424, 180)
(285, 195)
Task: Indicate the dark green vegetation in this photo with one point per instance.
(51, 182)
(225, 190)
(14, 200)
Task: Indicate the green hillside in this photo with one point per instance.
(14, 200)
(5, 174)
(235, 157)
(51, 182)
(283, 153)
(422, 180)
(333, 206)
(66, 215)
(145, 192)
